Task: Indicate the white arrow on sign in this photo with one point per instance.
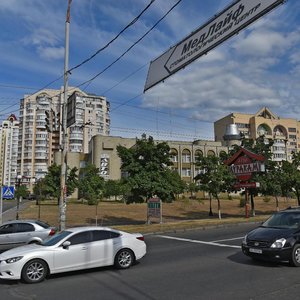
(221, 27)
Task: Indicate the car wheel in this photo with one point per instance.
(124, 259)
(34, 271)
(295, 260)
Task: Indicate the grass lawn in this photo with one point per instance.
(179, 214)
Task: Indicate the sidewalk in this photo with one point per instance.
(11, 214)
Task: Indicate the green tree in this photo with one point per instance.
(112, 188)
(192, 188)
(51, 182)
(291, 176)
(21, 191)
(91, 185)
(147, 165)
(214, 178)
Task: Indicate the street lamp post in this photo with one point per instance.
(19, 178)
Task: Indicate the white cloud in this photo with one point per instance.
(51, 53)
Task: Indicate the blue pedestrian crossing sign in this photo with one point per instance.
(8, 192)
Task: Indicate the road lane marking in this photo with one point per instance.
(225, 240)
(198, 242)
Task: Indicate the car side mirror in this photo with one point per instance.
(66, 244)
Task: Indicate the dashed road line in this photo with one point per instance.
(198, 242)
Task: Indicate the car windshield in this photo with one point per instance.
(42, 224)
(283, 220)
(55, 238)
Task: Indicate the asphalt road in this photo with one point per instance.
(198, 264)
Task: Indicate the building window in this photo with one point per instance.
(211, 153)
(174, 155)
(242, 125)
(292, 136)
(198, 155)
(186, 156)
(292, 129)
(186, 172)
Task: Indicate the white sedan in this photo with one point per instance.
(73, 249)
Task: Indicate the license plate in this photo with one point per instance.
(253, 250)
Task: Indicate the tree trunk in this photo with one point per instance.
(210, 209)
(219, 208)
(298, 197)
(252, 205)
(277, 204)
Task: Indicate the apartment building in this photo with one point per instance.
(9, 151)
(40, 134)
(284, 131)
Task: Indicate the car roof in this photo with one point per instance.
(21, 221)
(84, 228)
(292, 209)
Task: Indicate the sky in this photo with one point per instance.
(258, 67)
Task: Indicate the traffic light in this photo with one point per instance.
(56, 123)
(48, 121)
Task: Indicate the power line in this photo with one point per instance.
(112, 40)
(124, 79)
(133, 45)
(160, 132)
(88, 59)
(16, 86)
(90, 80)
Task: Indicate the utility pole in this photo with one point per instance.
(64, 142)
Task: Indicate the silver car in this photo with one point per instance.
(20, 232)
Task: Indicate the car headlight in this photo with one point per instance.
(13, 259)
(279, 243)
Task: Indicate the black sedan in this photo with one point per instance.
(277, 239)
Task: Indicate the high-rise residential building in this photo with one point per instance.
(9, 150)
(40, 134)
(283, 131)
(91, 118)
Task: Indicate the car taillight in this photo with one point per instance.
(52, 232)
(141, 238)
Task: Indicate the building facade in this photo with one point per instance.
(40, 134)
(103, 154)
(284, 131)
(9, 151)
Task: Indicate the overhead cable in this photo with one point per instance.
(134, 44)
(112, 40)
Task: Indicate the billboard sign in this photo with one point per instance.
(243, 168)
(71, 111)
(104, 166)
(221, 27)
(154, 209)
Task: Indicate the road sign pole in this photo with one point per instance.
(1, 206)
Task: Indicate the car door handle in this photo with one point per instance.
(83, 248)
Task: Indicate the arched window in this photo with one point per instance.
(211, 153)
(174, 155)
(198, 154)
(222, 154)
(186, 156)
(279, 132)
(264, 129)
